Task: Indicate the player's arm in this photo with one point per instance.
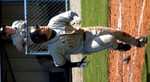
(64, 19)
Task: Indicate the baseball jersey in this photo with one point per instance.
(17, 38)
(63, 43)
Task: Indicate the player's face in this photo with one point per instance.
(43, 30)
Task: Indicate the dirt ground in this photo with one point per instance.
(133, 17)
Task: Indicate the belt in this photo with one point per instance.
(84, 36)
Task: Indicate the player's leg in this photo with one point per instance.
(102, 42)
(117, 34)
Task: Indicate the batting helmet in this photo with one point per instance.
(36, 37)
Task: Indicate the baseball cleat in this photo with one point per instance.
(142, 41)
(123, 47)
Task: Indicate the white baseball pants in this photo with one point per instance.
(100, 38)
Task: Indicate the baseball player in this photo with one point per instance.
(17, 34)
(16, 31)
(63, 39)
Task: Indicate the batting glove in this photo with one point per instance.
(76, 20)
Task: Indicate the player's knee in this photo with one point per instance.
(107, 39)
(110, 40)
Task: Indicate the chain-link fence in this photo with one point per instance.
(39, 12)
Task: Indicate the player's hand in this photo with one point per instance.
(76, 20)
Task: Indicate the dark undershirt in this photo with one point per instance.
(53, 34)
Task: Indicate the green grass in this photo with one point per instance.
(146, 65)
(97, 70)
(96, 13)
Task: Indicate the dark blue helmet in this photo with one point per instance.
(36, 37)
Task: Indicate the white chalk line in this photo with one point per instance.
(120, 16)
(139, 28)
(119, 28)
(141, 18)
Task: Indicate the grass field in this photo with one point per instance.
(96, 13)
(146, 65)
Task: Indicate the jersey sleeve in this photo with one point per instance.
(17, 38)
(61, 20)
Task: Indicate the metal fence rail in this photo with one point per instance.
(39, 12)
